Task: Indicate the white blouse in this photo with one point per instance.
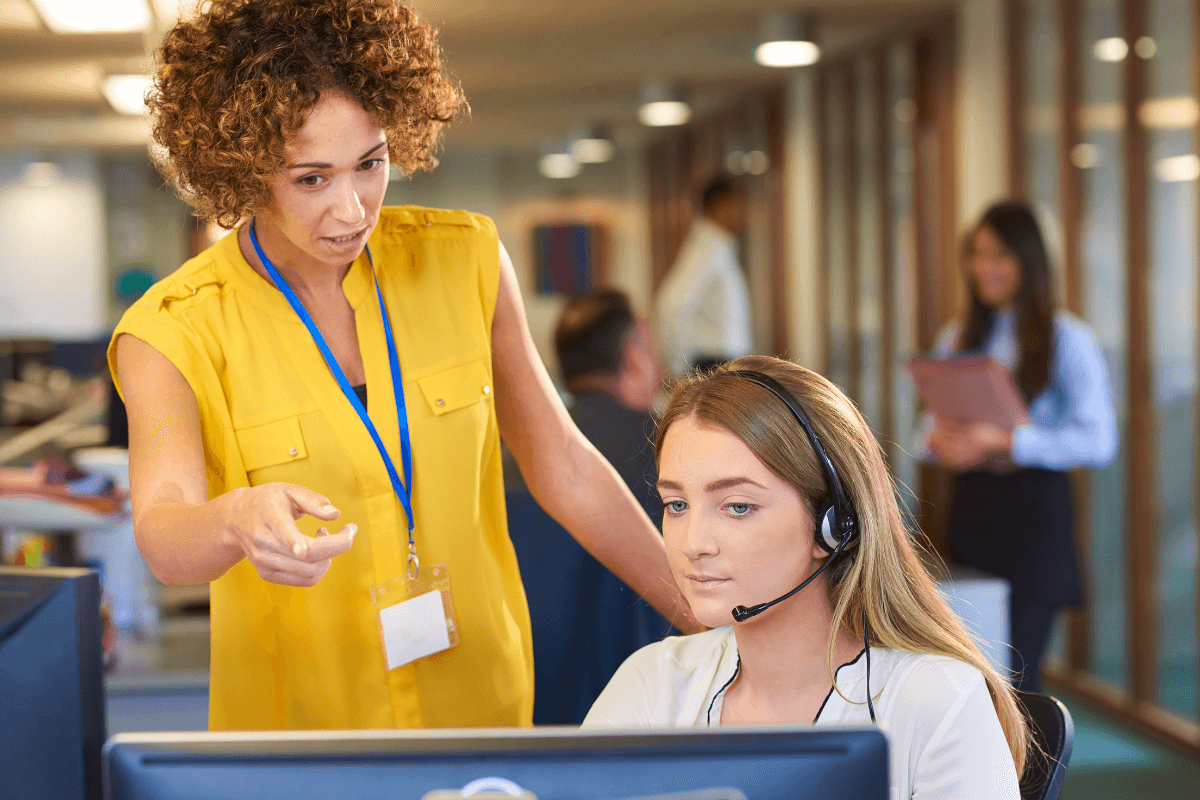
(943, 733)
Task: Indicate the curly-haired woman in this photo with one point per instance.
(337, 360)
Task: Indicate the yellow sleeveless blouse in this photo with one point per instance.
(270, 411)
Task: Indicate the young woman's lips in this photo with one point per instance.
(706, 581)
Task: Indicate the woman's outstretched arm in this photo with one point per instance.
(564, 472)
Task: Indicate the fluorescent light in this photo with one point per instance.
(93, 16)
(787, 40)
(664, 113)
(171, 11)
(1145, 47)
(592, 151)
(787, 54)
(663, 105)
(735, 162)
(558, 166)
(1178, 169)
(1111, 50)
(127, 93)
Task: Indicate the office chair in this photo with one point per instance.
(1052, 734)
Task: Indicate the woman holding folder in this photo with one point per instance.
(1012, 513)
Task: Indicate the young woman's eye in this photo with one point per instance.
(739, 509)
(674, 507)
(370, 164)
(309, 180)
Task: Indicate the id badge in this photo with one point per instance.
(416, 616)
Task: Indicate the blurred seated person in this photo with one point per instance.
(585, 620)
(610, 368)
(703, 313)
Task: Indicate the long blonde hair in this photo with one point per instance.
(882, 571)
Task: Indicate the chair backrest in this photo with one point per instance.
(1052, 733)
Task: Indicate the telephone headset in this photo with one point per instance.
(836, 522)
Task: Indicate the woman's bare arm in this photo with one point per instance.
(184, 536)
(564, 472)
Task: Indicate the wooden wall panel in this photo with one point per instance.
(1140, 527)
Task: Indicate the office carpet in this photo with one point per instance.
(1111, 763)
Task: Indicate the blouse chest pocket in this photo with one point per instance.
(457, 387)
(272, 444)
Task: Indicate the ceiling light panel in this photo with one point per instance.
(558, 166)
(92, 16)
(665, 113)
(787, 54)
(592, 151)
(127, 93)
(1111, 50)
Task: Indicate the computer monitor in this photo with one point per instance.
(791, 763)
(51, 684)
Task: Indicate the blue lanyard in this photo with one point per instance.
(403, 489)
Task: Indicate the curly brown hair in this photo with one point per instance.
(234, 85)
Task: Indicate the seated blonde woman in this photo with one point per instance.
(760, 499)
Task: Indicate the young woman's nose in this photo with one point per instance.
(697, 539)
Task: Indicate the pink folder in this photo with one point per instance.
(969, 389)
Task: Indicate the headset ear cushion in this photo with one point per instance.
(826, 525)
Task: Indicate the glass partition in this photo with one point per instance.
(902, 338)
(869, 301)
(1102, 120)
(837, 228)
(1169, 115)
(1041, 91)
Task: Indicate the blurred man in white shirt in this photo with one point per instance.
(704, 303)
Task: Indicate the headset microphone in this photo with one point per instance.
(741, 613)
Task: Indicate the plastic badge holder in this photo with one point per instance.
(415, 615)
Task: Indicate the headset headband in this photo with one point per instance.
(843, 514)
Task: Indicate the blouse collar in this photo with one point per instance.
(847, 675)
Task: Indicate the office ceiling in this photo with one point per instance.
(532, 69)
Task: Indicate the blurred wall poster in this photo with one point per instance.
(570, 258)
